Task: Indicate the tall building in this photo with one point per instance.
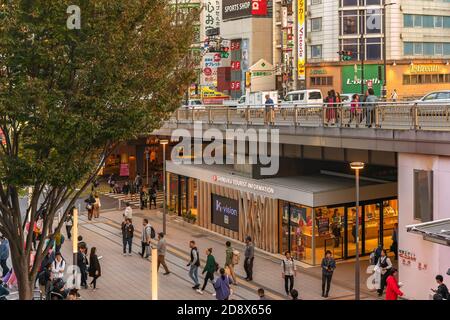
(417, 45)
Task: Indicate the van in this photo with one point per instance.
(303, 98)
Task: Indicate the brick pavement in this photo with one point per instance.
(104, 234)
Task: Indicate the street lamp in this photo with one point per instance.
(384, 47)
(164, 143)
(357, 166)
(75, 245)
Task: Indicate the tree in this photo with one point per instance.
(67, 97)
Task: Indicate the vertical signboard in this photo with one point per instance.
(210, 16)
(301, 28)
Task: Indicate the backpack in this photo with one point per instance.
(152, 233)
(236, 257)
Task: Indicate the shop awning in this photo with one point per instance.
(436, 231)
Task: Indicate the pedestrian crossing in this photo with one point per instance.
(134, 200)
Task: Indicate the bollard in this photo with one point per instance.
(154, 277)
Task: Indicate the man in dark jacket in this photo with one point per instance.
(249, 257)
(82, 263)
(442, 289)
(194, 263)
(127, 236)
(328, 265)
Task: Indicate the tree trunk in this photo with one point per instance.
(24, 284)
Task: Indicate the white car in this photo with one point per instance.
(303, 98)
(194, 104)
(435, 97)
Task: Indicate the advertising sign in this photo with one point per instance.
(210, 16)
(225, 212)
(124, 170)
(211, 61)
(351, 79)
(323, 225)
(239, 9)
(301, 53)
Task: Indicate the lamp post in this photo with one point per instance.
(357, 166)
(75, 244)
(164, 143)
(384, 48)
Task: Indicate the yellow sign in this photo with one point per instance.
(301, 54)
(420, 68)
(248, 79)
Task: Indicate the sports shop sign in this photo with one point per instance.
(238, 9)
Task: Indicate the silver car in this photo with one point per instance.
(435, 97)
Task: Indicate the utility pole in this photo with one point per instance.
(362, 52)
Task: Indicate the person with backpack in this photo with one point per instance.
(153, 196)
(194, 264)
(328, 265)
(222, 286)
(58, 266)
(230, 261)
(95, 270)
(148, 233)
(45, 278)
(69, 223)
(288, 272)
(211, 266)
(442, 290)
(90, 205)
(127, 236)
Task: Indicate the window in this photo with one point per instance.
(438, 21)
(423, 195)
(373, 2)
(320, 81)
(408, 49)
(373, 49)
(428, 22)
(408, 21)
(417, 21)
(316, 1)
(443, 95)
(438, 49)
(425, 79)
(350, 22)
(316, 24)
(315, 95)
(349, 3)
(428, 49)
(446, 22)
(447, 49)
(373, 21)
(350, 45)
(418, 48)
(316, 52)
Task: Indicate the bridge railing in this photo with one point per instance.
(388, 115)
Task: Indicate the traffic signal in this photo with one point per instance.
(346, 55)
(224, 52)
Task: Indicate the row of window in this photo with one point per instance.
(372, 48)
(321, 81)
(426, 48)
(425, 21)
(426, 78)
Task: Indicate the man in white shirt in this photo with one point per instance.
(288, 272)
(58, 266)
(128, 214)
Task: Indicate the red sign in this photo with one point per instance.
(207, 71)
(235, 85)
(235, 65)
(235, 45)
(217, 57)
(124, 170)
(259, 7)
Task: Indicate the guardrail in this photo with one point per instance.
(387, 115)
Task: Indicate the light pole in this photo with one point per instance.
(357, 166)
(75, 244)
(164, 143)
(384, 48)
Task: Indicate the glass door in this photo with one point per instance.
(371, 237)
(350, 232)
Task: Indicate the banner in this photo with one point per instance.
(301, 53)
(239, 9)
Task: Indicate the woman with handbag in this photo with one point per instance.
(94, 268)
(90, 205)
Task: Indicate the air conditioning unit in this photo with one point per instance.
(401, 36)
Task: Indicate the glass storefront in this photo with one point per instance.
(335, 229)
(182, 194)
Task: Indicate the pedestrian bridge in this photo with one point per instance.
(395, 127)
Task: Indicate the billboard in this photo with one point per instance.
(238, 9)
(301, 30)
(351, 78)
(225, 212)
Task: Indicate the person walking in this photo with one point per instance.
(155, 182)
(69, 223)
(393, 289)
(394, 245)
(328, 266)
(4, 255)
(210, 267)
(127, 236)
(394, 96)
(229, 263)
(288, 272)
(59, 241)
(371, 101)
(146, 237)
(222, 286)
(126, 189)
(90, 205)
(442, 290)
(143, 197)
(58, 266)
(82, 263)
(194, 264)
(97, 205)
(162, 247)
(384, 268)
(95, 270)
(355, 110)
(269, 105)
(249, 257)
(153, 196)
(128, 213)
(112, 183)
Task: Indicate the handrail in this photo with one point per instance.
(389, 115)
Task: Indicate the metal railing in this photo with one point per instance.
(386, 115)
